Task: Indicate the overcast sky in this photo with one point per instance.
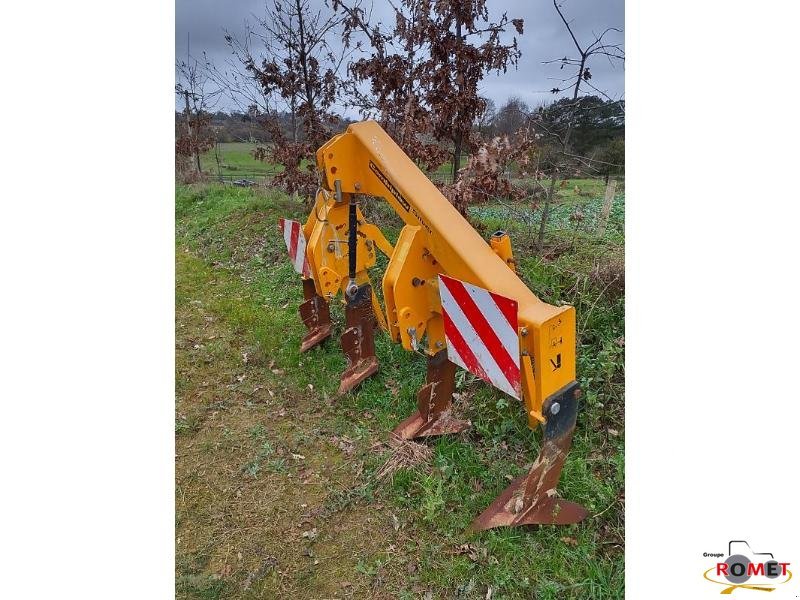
(544, 38)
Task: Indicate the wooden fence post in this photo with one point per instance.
(609, 200)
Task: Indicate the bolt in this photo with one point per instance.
(439, 344)
(357, 185)
(416, 282)
(555, 408)
(524, 332)
(331, 247)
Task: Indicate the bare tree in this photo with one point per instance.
(486, 118)
(192, 87)
(512, 116)
(284, 64)
(581, 76)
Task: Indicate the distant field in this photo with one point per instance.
(581, 190)
(236, 158)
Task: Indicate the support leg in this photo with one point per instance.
(434, 401)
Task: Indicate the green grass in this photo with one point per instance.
(236, 158)
(580, 189)
(231, 236)
(573, 220)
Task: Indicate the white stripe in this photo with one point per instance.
(301, 250)
(474, 341)
(287, 233)
(497, 320)
(452, 354)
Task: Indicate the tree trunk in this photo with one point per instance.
(302, 55)
(189, 129)
(546, 208)
(293, 103)
(406, 127)
(216, 156)
(293, 112)
(457, 147)
(458, 139)
(607, 203)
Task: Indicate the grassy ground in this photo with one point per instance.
(236, 158)
(276, 494)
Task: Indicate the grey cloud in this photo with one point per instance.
(544, 39)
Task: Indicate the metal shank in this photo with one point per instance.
(434, 403)
(358, 340)
(532, 499)
(316, 316)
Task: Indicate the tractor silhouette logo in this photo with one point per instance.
(743, 568)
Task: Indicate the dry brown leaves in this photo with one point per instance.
(485, 174)
(405, 455)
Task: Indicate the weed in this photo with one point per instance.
(257, 432)
(278, 466)
(202, 587)
(187, 425)
(252, 468)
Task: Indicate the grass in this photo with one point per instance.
(242, 424)
(236, 158)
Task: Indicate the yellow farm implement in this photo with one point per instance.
(447, 294)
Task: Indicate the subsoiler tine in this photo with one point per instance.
(532, 499)
(358, 340)
(434, 403)
(316, 316)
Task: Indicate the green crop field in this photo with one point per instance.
(276, 487)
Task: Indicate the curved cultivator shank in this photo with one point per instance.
(532, 499)
(316, 316)
(449, 296)
(358, 342)
(434, 403)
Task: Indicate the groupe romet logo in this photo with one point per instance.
(743, 568)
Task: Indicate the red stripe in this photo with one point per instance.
(508, 307)
(484, 330)
(460, 345)
(293, 240)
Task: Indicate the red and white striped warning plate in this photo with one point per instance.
(295, 244)
(481, 332)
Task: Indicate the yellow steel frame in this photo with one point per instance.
(436, 239)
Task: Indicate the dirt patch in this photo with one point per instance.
(257, 477)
